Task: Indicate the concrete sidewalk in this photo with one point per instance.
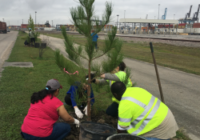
(7, 42)
(181, 90)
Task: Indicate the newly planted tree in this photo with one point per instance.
(84, 19)
(32, 26)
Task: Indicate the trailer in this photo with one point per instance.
(3, 27)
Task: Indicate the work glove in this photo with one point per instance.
(78, 113)
(76, 122)
(85, 111)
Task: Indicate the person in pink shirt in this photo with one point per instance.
(45, 109)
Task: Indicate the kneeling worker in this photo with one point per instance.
(78, 91)
(142, 114)
(118, 74)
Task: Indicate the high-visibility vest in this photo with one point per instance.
(122, 77)
(140, 111)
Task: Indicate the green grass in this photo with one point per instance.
(18, 84)
(181, 134)
(178, 57)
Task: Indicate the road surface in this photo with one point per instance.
(181, 90)
(7, 41)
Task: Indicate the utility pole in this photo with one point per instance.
(3, 19)
(22, 21)
(174, 16)
(35, 17)
(158, 10)
(52, 23)
(124, 16)
(117, 21)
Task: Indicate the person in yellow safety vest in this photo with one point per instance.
(118, 75)
(142, 114)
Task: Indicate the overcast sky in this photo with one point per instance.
(13, 11)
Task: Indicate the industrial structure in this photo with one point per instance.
(135, 26)
(165, 14)
(187, 19)
(156, 26)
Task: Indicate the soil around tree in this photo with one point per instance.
(102, 117)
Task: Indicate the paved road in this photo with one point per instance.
(6, 43)
(181, 90)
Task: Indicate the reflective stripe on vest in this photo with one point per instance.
(146, 110)
(149, 117)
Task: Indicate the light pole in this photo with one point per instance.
(52, 23)
(158, 10)
(174, 16)
(22, 21)
(117, 21)
(3, 19)
(124, 16)
(35, 17)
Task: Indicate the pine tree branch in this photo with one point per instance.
(102, 54)
(68, 42)
(77, 53)
(80, 55)
(112, 41)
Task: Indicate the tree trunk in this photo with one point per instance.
(89, 92)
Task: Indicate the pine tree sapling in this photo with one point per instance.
(83, 18)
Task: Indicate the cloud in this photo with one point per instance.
(39, 4)
(59, 10)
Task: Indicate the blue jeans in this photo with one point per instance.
(95, 43)
(148, 138)
(60, 131)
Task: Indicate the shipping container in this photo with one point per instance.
(165, 26)
(24, 26)
(196, 25)
(3, 27)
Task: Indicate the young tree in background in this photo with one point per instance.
(32, 27)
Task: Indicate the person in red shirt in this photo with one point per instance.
(45, 109)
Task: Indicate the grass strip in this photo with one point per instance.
(18, 84)
(178, 57)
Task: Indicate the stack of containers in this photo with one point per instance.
(181, 26)
(196, 28)
(196, 25)
(3, 27)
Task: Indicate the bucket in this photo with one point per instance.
(95, 131)
(37, 45)
(124, 137)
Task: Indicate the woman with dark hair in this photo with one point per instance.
(117, 75)
(40, 122)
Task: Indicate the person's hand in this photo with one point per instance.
(103, 76)
(76, 122)
(85, 111)
(78, 113)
